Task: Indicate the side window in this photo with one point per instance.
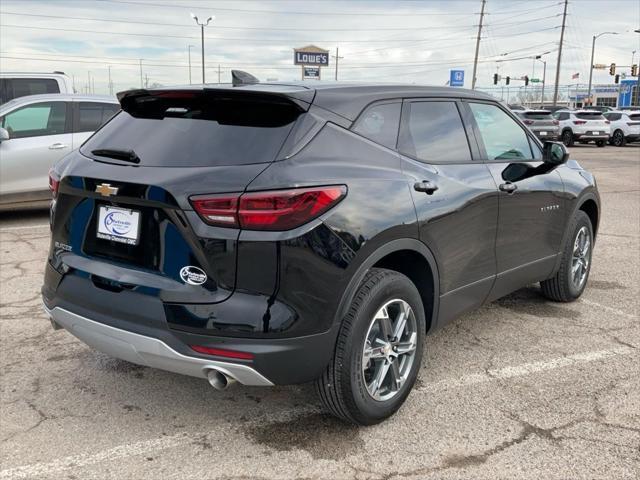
(379, 123)
(503, 138)
(46, 118)
(91, 115)
(564, 116)
(33, 86)
(433, 132)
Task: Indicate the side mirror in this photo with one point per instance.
(4, 135)
(555, 153)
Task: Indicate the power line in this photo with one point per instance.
(273, 40)
(185, 25)
(287, 12)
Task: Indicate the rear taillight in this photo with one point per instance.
(270, 210)
(54, 183)
(528, 122)
(219, 352)
(220, 210)
(556, 122)
(579, 122)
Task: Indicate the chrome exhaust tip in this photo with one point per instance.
(219, 380)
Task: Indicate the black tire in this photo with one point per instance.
(600, 143)
(567, 138)
(561, 287)
(618, 139)
(342, 387)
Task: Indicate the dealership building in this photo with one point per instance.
(605, 95)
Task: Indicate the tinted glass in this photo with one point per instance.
(91, 115)
(635, 116)
(434, 133)
(595, 115)
(379, 123)
(33, 86)
(503, 138)
(198, 131)
(46, 118)
(538, 115)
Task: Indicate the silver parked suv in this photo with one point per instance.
(38, 130)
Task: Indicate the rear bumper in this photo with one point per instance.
(589, 137)
(148, 351)
(132, 326)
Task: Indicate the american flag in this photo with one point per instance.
(575, 75)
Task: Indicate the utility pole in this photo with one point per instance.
(564, 23)
(189, 48)
(337, 57)
(140, 73)
(146, 81)
(88, 81)
(110, 82)
(475, 60)
(218, 73)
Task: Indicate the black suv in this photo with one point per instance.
(276, 234)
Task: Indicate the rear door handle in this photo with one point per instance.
(425, 186)
(58, 146)
(508, 187)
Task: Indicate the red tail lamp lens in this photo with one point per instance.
(271, 210)
(286, 209)
(220, 210)
(220, 352)
(54, 183)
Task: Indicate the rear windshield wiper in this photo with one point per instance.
(124, 155)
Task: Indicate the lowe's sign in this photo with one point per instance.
(311, 55)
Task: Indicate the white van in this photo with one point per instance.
(14, 85)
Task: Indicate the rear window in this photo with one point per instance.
(538, 115)
(198, 130)
(635, 116)
(595, 115)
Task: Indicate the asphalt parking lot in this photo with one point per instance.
(522, 388)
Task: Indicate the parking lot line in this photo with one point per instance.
(147, 447)
(525, 369)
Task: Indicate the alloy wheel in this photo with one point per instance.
(566, 138)
(389, 349)
(618, 138)
(581, 257)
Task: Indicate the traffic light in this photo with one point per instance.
(508, 80)
(495, 78)
(526, 80)
(612, 69)
(617, 79)
(634, 70)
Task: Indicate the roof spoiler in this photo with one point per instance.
(238, 77)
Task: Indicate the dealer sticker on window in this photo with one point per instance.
(118, 224)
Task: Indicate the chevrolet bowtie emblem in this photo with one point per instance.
(106, 190)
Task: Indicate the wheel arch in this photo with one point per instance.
(407, 256)
(589, 203)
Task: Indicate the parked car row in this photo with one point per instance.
(593, 124)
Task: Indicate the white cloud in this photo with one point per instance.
(408, 42)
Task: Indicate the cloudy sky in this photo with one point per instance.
(387, 41)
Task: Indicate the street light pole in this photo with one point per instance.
(637, 85)
(189, 47)
(202, 25)
(593, 51)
